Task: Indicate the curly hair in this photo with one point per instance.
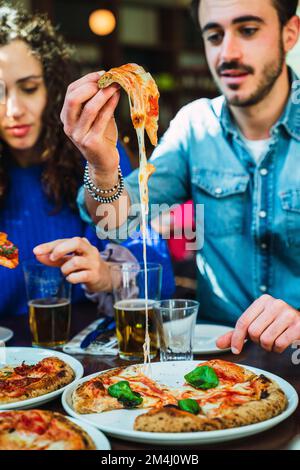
(286, 9)
(62, 162)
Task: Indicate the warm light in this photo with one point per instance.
(102, 22)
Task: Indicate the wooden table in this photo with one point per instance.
(279, 437)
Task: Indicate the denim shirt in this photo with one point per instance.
(251, 226)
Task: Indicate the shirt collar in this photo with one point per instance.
(289, 120)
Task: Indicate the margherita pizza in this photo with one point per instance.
(215, 395)
(9, 253)
(41, 430)
(30, 381)
(121, 388)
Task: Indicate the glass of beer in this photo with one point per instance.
(49, 303)
(135, 290)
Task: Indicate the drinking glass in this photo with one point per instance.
(176, 320)
(49, 302)
(129, 289)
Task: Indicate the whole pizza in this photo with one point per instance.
(41, 430)
(215, 395)
(29, 381)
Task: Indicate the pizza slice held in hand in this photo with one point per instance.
(9, 253)
(143, 95)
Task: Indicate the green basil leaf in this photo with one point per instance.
(189, 405)
(203, 377)
(122, 391)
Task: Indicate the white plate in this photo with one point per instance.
(100, 440)
(205, 338)
(119, 423)
(5, 334)
(15, 356)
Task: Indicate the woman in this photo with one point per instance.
(40, 169)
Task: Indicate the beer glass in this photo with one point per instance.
(49, 303)
(129, 288)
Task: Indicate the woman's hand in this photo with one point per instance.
(88, 118)
(269, 322)
(79, 261)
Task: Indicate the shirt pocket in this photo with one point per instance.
(290, 202)
(224, 196)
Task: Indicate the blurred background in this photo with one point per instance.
(161, 36)
(157, 34)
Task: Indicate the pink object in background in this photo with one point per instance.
(183, 222)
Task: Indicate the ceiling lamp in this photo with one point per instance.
(102, 22)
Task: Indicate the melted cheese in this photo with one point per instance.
(143, 101)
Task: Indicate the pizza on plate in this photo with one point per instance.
(215, 395)
(29, 381)
(41, 430)
(9, 253)
(120, 388)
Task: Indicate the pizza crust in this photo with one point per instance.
(174, 420)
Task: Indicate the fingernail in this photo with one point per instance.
(52, 257)
(235, 350)
(37, 251)
(102, 72)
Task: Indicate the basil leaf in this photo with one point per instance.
(189, 405)
(122, 391)
(203, 377)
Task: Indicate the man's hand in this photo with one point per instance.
(79, 261)
(269, 322)
(88, 118)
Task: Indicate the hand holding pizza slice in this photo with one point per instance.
(9, 253)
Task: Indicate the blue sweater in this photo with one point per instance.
(26, 218)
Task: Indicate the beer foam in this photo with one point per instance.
(134, 304)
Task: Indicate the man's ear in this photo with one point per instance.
(291, 33)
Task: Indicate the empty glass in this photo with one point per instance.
(176, 321)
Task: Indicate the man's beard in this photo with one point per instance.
(270, 74)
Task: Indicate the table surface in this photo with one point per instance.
(279, 437)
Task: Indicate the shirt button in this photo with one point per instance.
(264, 246)
(262, 214)
(218, 191)
(263, 288)
(264, 172)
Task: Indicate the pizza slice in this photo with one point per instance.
(143, 96)
(41, 430)
(217, 395)
(121, 388)
(9, 253)
(29, 381)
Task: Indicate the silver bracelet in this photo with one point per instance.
(96, 193)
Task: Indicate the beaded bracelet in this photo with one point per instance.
(96, 192)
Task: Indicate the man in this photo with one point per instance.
(238, 155)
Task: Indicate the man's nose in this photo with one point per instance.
(14, 107)
(231, 50)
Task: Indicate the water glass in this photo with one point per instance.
(176, 320)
